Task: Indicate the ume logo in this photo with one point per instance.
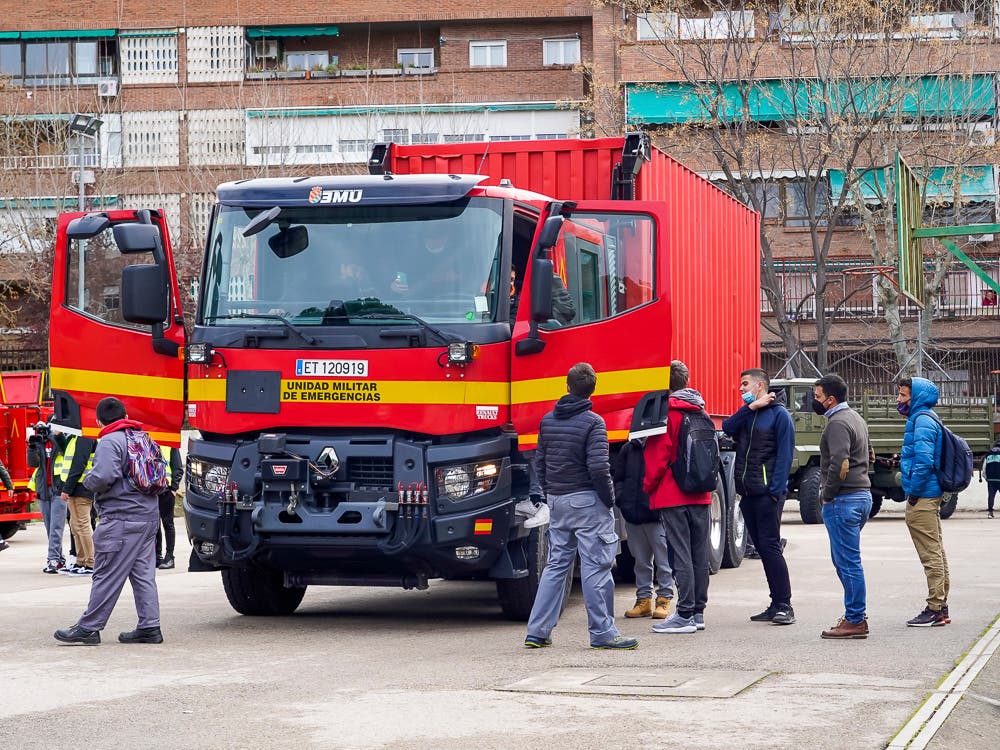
(319, 195)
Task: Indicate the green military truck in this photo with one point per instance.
(972, 418)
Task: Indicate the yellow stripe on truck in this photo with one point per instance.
(614, 436)
(389, 391)
(608, 383)
(120, 384)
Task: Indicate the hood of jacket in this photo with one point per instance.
(121, 424)
(688, 396)
(570, 405)
(923, 395)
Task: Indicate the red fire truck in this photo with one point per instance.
(21, 407)
(372, 355)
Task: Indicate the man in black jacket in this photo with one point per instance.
(165, 557)
(573, 469)
(765, 442)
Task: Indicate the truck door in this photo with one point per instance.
(99, 343)
(609, 307)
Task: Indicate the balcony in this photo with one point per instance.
(49, 161)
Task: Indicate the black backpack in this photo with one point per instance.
(954, 469)
(696, 468)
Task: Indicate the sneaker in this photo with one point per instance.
(783, 615)
(77, 635)
(142, 635)
(524, 508)
(167, 563)
(699, 620)
(945, 615)
(846, 629)
(989, 514)
(617, 644)
(928, 618)
(82, 570)
(766, 616)
(535, 641)
(540, 518)
(67, 570)
(662, 610)
(53, 567)
(4, 544)
(675, 624)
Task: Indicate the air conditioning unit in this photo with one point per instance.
(107, 87)
(265, 48)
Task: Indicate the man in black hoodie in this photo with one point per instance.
(574, 471)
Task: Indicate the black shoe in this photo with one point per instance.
(159, 561)
(766, 616)
(751, 553)
(142, 635)
(76, 634)
(53, 567)
(783, 615)
(167, 563)
(535, 641)
(989, 514)
(928, 619)
(617, 644)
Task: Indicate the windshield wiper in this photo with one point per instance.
(265, 316)
(448, 338)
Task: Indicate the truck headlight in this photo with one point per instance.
(467, 480)
(206, 477)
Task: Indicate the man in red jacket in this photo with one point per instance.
(685, 517)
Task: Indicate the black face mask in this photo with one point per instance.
(818, 407)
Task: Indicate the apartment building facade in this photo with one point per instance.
(189, 97)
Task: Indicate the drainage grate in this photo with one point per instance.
(675, 683)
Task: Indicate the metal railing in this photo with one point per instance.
(49, 161)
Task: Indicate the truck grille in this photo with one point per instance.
(375, 472)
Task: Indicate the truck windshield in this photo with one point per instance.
(356, 265)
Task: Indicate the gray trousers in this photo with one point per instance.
(54, 518)
(648, 545)
(123, 550)
(686, 528)
(579, 522)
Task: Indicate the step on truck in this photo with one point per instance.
(970, 417)
(371, 355)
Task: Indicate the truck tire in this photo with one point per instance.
(810, 502)
(259, 592)
(517, 595)
(8, 529)
(876, 505)
(736, 537)
(716, 529)
(949, 505)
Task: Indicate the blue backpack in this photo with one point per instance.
(954, 469)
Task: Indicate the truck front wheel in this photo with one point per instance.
(517, 595)
(810, 502)
(8, 529)
(260, 592)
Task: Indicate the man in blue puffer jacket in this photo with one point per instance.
(918, 465)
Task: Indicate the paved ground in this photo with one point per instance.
(376, 668)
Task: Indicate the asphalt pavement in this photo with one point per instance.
(376, 668)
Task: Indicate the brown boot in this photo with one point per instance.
(642, 608)
(847, 629)
(662, 611)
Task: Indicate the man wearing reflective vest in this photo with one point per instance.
(53, 507)
(78, 459)
(165, 557)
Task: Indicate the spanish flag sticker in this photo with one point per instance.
(483, 526)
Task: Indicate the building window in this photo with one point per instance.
(488, 54)
(560, 51)
(464, 137)
(396, 135)
(50, 63)
(415, 58)
(655, 27)
(424, 138)
(149, 56)
(307, 60)
(354, 146)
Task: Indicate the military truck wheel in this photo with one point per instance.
(716, 529)
(876, 505)
(736, 537)
(810, 502)
(949, 505)
(255, 591)
(518, 595)
(8, 529)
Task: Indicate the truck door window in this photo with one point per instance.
(604, 266)
(95, 287)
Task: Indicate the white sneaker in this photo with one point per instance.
(525, 508)
(540, 518)
(676, 624)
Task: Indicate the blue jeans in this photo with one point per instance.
(844, 517)
(54, 517)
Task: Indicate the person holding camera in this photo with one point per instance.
(45, 453)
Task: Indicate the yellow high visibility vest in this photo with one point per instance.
(165, 452)
(67, 460)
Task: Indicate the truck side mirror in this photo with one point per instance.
(550, 232)
(144, 294)
(137, 238)
(649, 417)
(541, 289)
(87, 226)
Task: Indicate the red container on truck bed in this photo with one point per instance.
(713, 238)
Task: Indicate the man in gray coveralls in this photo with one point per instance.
(124, 538)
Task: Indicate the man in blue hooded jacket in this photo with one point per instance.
(918, 466)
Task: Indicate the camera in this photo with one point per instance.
(36, 444)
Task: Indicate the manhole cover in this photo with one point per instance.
(677, 683)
